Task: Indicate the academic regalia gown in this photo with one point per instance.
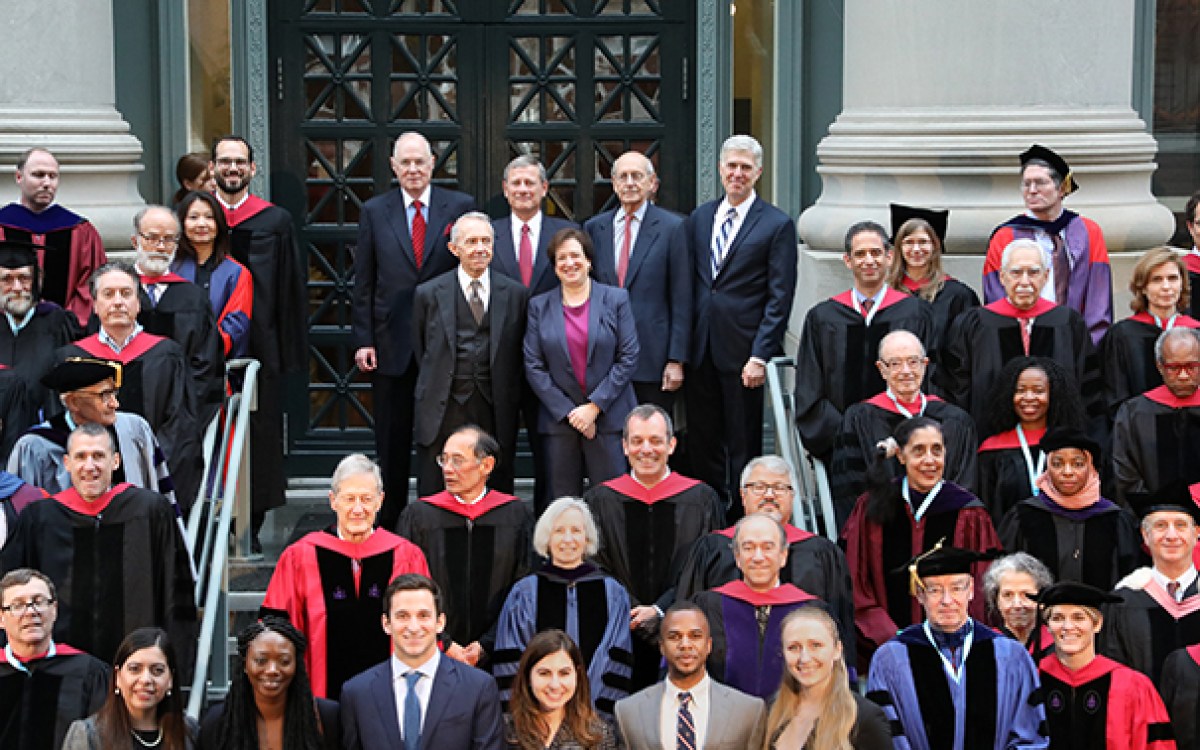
(41, 697)
(1127, 358)
(30, 353)
(868, 422)
(475, 553)
(69, 250)
(15, 496)
(746, 655)
(262, 239)
(590, 606)
(17, 410)
(645, 536)
(157, 386)
(814, 564)
(835, 365)
(952, 300)
(984, 339)
(1192, 261)
(995, 704)
(119, 563)
(183, 314)
(332, 590)
(37, 456)
(1154, 442)
(1098, 545)
(1039, 644)
(882, 602)
(230, 290)
(1180, 689)
(1004, 476)
(1149, 625)
(1104, 705)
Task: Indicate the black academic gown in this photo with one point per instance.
(1148, 625)
(645, 536)
(119, 563)
(835, 365)
(984, 339)
(1098, 545)
(263, 241)
(488, 545)
(1005, 477)
(17, 410)
(1127, 358)
(184, 315)
(814, 564)
(157, 386)
(30, 354)
(41, 697)
(1154, 443)
(746, 654)
(868, 422)
(1179, 686)
(954, 299)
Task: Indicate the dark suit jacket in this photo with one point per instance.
(386, 275)
(463, 712)
(504, 255)
(434, 326)
(612, 357)
(744, 311)
(659, 285)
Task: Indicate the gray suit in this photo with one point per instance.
(736, 721)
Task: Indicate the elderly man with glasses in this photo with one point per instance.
(46, 685)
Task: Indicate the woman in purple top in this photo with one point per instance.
(580, 352)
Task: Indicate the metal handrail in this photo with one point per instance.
(232, 474)
(812, 504)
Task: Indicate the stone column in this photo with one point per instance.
(940, 99)
(57, 91)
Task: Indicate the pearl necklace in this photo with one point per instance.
(143, 743)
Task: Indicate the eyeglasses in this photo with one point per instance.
(758, 489)
(911, 363)
(108, 394)
(233, 162)
(37, 604)
(170, 240)
(957, 590)
(456, 461)
(1176, 368)
(1036, 184)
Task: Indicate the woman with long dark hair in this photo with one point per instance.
(898, 519)
(551, 706)
(1031, 395)
(144, 708)
(203, 259)
(815, 708)
(270, 704)
(194, 174)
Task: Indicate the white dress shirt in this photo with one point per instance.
(424, 685)
(410, 212)
(535, 231)
(485, 285)
(740, 210)
(1185, 580)
(699, 707)
(619, 230)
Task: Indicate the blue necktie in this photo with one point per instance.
(721, 244)
(685, 728)
(412, 713)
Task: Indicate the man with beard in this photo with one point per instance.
(156, 383)
(263, 241)
(173, 307)
(648, 520)
(70, 246)
(35, 330)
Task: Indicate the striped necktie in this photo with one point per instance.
(720, 246)
(685, 731)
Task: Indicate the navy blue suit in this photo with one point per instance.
(612, 357)
(660, 290)
(385, 282)
(740, 314)
(463, 711)
(504, 255)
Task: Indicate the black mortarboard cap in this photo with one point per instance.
(937, 219)
(74, 373)
(1176, 496)
(941, 560)
(17, 254)
(1079, 594)
(1070, 437)
(1059, 164)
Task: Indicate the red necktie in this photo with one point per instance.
(418, 234)
(1026, 326)
(623, 262)
(525, 256)
(1173, 589)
